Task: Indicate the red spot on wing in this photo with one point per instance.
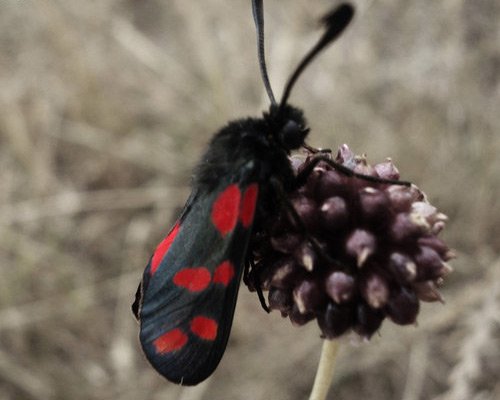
(204, 327)
(248, 205)
(224, 273)
(193, 279)
(225, 209)
(163, 247)
(171, 341)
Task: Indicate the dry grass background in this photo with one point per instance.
(105, 107)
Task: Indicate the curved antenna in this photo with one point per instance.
(258, 17)
(335, 22)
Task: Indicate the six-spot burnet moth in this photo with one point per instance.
(185, 302)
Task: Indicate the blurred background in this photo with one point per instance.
(105, 107)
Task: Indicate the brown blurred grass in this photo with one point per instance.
(104, 109)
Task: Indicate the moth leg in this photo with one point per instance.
(262, 299)
(250, 277)
(292, 213)
(314, 150)
(246, 272)
(304, 174)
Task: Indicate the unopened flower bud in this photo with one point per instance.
(430, 264)
(306, 256)
(340, 287)
(405, 228)
(281, 274)
(314, 179)
(298, 318)
(360, 245)
(437, 227)
(403, 267)
(308, 297)
(336, 320)
(368, 320)
(374, 204)
(438, 245)
(331, 184)
(345, 156)
(427, 291)
(306, 209)
(362, 167)
(375, 291)
(387, 170)
(334, 213)
(425, 211)
(401, 197)
(280, 300)
(403, 307)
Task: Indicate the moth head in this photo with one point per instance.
(287, 126)
(286, 122)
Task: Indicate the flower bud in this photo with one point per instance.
(405, 228)
(306, 209)
(331, 184)
(334, 213)
(306, 256)
(403, 268)
(345, 156)
(340, 287)
(336, 320)
(280, 300)
(387, 170)
(362, 167)
(401, 197)
(308, 297)
(375, 291)
(438, 245)
(437, 227)
(429, 212)
(360, 245)
(298, 318)
(430, 264)
(374, 204)
(403, 307)
(314, 179)
(427, 291)
(368, 320)
(281, 274)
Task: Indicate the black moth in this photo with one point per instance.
(185, 302)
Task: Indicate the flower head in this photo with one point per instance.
(362, 250)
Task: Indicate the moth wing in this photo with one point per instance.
(137, 304)
(191, 283)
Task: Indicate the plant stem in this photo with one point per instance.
(324, 374)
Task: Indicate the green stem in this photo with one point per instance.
(324, 374)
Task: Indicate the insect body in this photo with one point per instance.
(186, 300)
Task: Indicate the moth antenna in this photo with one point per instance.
(258, 17)
(334, 22)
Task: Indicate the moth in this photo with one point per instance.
(186, 300)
